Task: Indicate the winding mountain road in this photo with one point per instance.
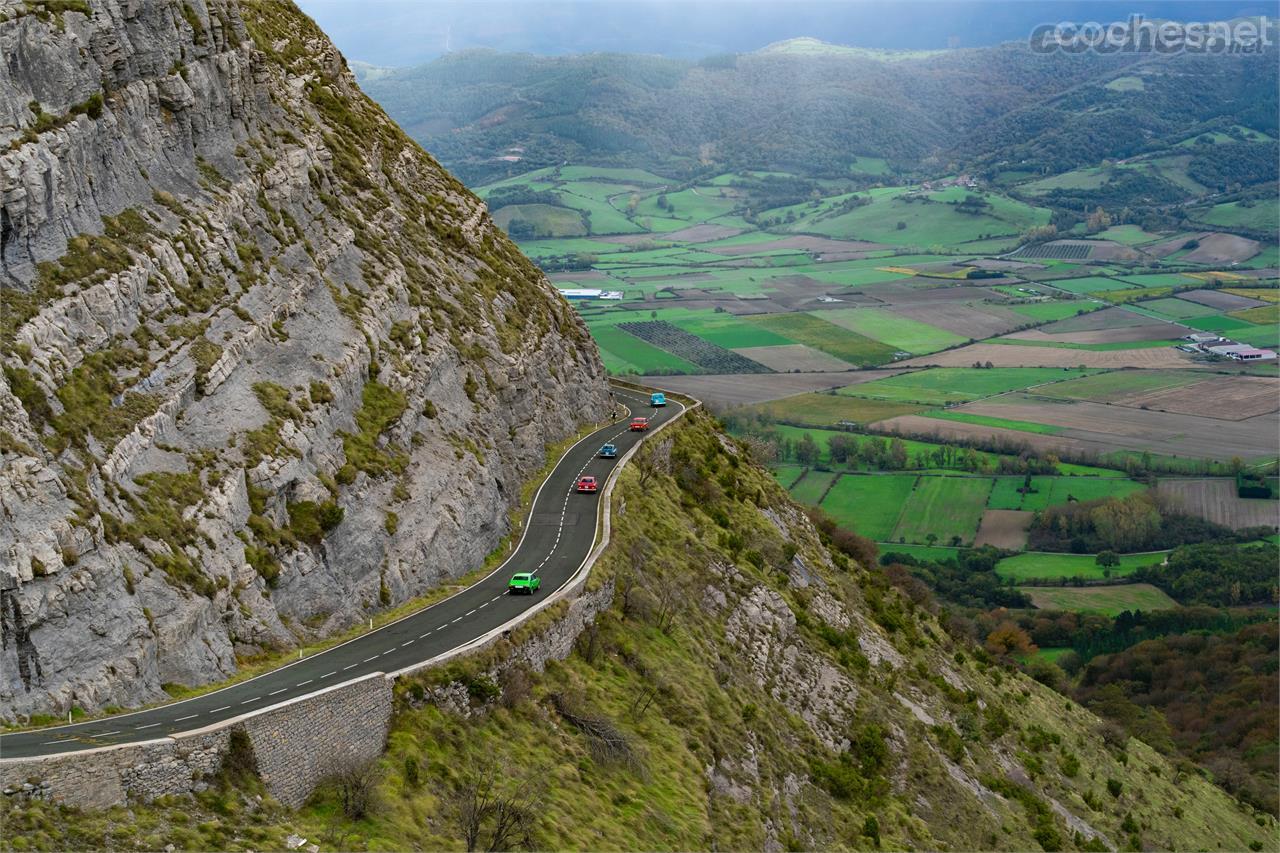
(558, 538)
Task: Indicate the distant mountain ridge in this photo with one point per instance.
(805, 106)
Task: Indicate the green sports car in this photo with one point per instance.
(524, 582)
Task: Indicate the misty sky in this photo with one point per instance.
(409, 32)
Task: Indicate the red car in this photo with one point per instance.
(639, 424)
(587, 485)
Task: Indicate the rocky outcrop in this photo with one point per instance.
(267, 367)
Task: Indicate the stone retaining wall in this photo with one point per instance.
(296, 745)
(299, 743)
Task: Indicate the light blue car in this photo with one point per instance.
(609, 451)
(657, 399)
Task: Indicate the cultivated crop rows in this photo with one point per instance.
(673, 339)
(1069, 251)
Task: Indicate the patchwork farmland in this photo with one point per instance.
(896, 314)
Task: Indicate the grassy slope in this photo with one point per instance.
(735, 700)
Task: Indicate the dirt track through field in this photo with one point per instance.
(1001, 355)
(1004, 528)
(1217, 501)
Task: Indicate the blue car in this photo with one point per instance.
(609, 451)
(657, 399)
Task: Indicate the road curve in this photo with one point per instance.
(558, 537)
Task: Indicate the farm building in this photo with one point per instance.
(1241, 352)
(590, 293)
(1203, 338)
(1252, 354)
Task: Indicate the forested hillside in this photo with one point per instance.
(809, 109)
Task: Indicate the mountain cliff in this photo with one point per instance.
(267, 368)
(733, 677)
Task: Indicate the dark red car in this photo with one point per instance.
(587, 485)
(639, 424)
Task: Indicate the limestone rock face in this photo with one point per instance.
(267, 367)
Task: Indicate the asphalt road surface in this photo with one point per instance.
(558, 537)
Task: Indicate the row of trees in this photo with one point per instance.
(1139, 522)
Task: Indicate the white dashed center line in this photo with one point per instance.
(351, 666)
(254, 699)
(304, 683)
(219, 710)
(188, 717)
(327, 674)
(274, 692)
(147, 726)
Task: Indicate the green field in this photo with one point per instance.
(1175, 309)
(822, 410)
(1262, 215)
(812, 487)
(1116, 385)
(899, 332)
(1044, 566)
(728, 331)
(624, 353)
(1163, 279)
(1047, 312)
(1107, 600)
(1052, 491)
(696, 204)
(921, 552)
(827, 337)
(546, 220)
(1000, 423)
(869, 505)
(1259, 336)
(1085, 284)
(1127, 84)
(786, 474)
(1263, 315)
(923, 219)
(1050, 655)
(1090, 178)
(945, 507)
(946, 385)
